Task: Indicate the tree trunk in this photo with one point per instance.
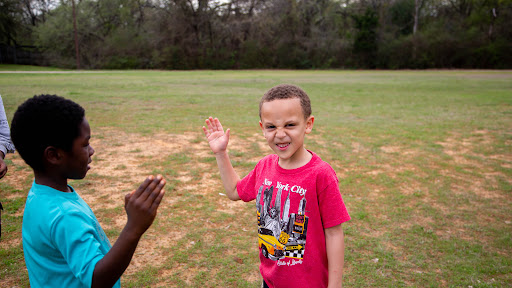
(491, 26)
(417, 4)
(76, 36)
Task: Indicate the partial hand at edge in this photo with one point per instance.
(3, 168)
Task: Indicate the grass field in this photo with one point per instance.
(424, 160)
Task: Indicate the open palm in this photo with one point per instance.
(215, 135)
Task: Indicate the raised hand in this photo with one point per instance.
(215, 135)
(141, 205)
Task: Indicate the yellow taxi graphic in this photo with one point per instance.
(270, 247)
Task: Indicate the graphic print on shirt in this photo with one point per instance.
(281, 234)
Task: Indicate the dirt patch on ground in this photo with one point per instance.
(469, 154)
(151, 249)
(18, 174)
(11, 243)
(120, 163)
(468, 167)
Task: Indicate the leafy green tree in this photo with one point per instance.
(402, 15)
(365, 42)
(9, 21)
(231, 34)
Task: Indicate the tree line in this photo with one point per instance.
(253, 34)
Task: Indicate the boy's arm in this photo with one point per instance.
(335, 246)
(141, 207)
(218, 141)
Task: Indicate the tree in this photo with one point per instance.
(9, 21)
(365, 43)
(226, 34)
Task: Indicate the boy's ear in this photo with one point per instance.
(261, 126)
(309, 124)
(52, 155)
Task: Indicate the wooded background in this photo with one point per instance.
(248, 34)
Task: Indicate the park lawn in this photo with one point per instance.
(424, 160)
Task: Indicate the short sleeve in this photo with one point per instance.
(245, 187)
(80, 245)
(332, 208)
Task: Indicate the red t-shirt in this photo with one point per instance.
(293, 208)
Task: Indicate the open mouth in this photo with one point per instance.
(282, 146)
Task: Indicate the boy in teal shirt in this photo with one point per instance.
(63, 242)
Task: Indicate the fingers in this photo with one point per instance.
(128, 196)
(208, 131)
(158, 199)
(218, 125)
(143, 186)
(213, 125)
(148, 191)
(156, 191)
(209, 124)
(141, 205)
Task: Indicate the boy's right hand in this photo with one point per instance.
(3, 168)
(141, 205)
(215, 135)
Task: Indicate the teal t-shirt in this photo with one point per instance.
(62, 239)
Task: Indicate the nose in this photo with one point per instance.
(91, 151)
(280, 133)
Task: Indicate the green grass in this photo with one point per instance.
(424, 160)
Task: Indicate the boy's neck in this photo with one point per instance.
(301, 158)
(55, 182)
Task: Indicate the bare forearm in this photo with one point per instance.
(109, 269)
(228, 175)
(335, 246)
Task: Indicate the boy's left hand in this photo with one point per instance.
(141, 205)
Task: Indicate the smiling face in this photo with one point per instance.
(76, 162)
(284, 126)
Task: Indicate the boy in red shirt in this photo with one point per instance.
(298, 202)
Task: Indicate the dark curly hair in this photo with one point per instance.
(287, 91)
(42, 121)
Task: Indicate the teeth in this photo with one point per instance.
(283, 145)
